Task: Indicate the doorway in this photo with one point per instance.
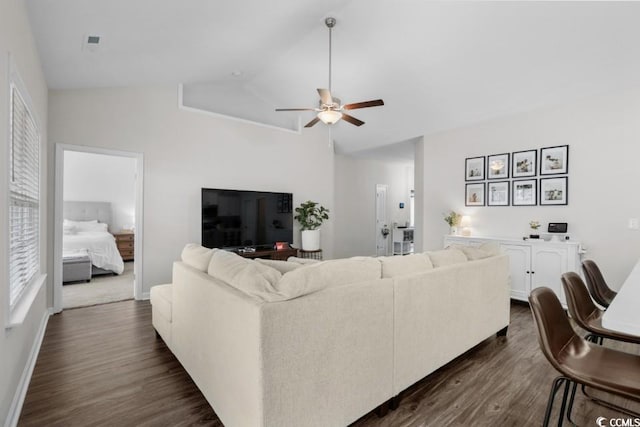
(97, 226)
(382, 226)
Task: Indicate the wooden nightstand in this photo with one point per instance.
(125, 243)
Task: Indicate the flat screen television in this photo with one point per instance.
(236, 219)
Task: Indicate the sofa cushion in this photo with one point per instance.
(282, 266)
(252, 278)
(447, 257)
(393, 266)
(315, 277)
(197, 256)
(161, 297)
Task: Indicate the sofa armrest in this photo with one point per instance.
(328, 356)
(216, 337)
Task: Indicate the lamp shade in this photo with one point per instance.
(465, 221)
(329, 117)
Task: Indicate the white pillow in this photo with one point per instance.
(393, 266)
(315, 277)
(197, 256)
(252, 278)
(92, 225)
(447, 257)
(69, 229)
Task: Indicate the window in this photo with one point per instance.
(24, 197)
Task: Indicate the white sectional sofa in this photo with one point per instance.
(324, 344)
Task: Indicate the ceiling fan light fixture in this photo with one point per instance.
(329, 117)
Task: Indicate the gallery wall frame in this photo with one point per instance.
(524, 192)
(524, 163)
(474, 168)
(498, 193)
(498, 166)
(554, 160)
(474, 194)
(554, 191)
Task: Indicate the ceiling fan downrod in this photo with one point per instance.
(330, 23)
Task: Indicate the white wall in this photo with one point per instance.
(185, 151)
(604, 137)
(16, 343)
(355, 206)
(102, 178)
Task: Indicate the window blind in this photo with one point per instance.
(24, 198)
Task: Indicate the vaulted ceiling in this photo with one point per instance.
(437, 65)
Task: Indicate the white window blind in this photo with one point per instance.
(24, 198)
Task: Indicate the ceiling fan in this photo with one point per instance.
(330, 109)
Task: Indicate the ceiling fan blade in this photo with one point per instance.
(366, 104)
(312, 122)
(325, 96)
(295, 109)
(352, 120)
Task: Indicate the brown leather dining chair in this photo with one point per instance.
(585, 313)
(579, 361)
(598, 288)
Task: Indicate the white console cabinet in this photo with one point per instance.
(533, 263)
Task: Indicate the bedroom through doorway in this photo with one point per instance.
(97, 227)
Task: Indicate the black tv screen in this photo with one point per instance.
(234, 218)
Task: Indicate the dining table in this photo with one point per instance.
(623, 314)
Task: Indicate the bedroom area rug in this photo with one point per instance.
(101, 290)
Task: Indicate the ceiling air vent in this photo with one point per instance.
(91, 43)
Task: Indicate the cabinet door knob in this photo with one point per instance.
(528, 272)
(533, 272)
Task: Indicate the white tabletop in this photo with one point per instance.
(623, 314)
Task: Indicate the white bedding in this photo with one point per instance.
(101, 246)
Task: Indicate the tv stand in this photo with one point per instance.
(281, 254)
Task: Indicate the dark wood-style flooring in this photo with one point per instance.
(103, 366)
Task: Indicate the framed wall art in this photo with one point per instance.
(524, 192)
(498, 193)
(498, 166)
(524, 163)
(474, 194)
(554, 191)
(474, 169)
(554, 160)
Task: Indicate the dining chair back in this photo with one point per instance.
(598, 288)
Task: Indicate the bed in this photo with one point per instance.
(85, 232)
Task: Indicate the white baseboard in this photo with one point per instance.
(25, 379)
(146, 295)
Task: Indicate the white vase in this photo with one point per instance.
(311, 240)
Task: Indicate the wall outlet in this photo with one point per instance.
(633, 223)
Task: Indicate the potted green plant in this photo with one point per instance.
(311, 215)
(453, 219)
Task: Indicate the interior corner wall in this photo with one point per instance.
(185, 151)
(355, 202)
(16, 344)
(90, 177)
(603, 133)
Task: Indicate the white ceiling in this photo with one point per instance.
(437, 65)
